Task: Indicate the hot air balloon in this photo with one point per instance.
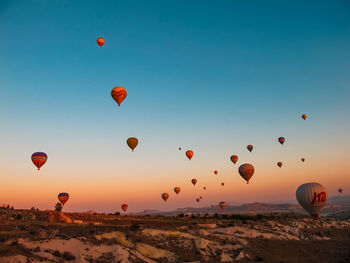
(279, 164)
(179, 148)
(39, 159)
(250, 147)
(194, 181)
(200, 197)
(281, 140)
(312, 197)
(215, 172)
(304, 116)
(100, 41)
(234, 158)
(119, 94)
(222, 184)
(63, 198)
(340, 190)
(189, 154)
(204, 188)
(197, 200)
(132, 142)
(124, 207)
(165, 196)
(222, 205)
(177, 190)
(303, 159)
(246, 171)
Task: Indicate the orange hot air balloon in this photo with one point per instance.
(194, 181)
(246, 171)
(165, 196)
(132, 142)
(250, 147)
(100, 41)
(303, 159)
(177, 190)
(63, 198)
(222, 205)
(222, 184)
(279, 164)
(119, 94)
(189, 154)
(124, 207)
(197, 200)
(281, 140)
(39, 159)
(234, 158)
(304, 116)
(204, 188)
(215, 172)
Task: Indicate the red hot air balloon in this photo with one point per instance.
(279, 164)
(304, 116)
(303, 159)
(165, 196)
(194, 181)
(119, 94)
(204, 188)
(189, 154)
(250, 147)
(177, 190)
(222, 205)
(281, 140)
(215, 172)
(124, 207)
(100, 41)
(39, 159)
(63, 198)
(234, 158)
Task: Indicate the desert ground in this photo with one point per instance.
(49, 236)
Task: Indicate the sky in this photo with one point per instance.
(210, 76)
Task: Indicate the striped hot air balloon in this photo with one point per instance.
(119, 94)
(63, 197)
(39, 159)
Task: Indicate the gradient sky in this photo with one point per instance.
(211, 76)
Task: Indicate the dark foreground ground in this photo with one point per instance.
(37, 236)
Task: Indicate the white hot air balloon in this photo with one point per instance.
(312, 197)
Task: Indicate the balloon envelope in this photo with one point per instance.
(132, 142)
(304, 116)
(250, 147)
(312, 197)
(234, 158)
(189, 154)
(63, 198)
(194, 181)
(39, 159)
(246, 171)
(215, 172)
(222, 184)
(279, 164)
(177, 189)
(303, 159)
(124, 207)
(197, 200)
(100, 41)
(119, 94)
(165, 196)
(281, 140)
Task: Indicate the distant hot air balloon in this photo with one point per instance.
(165, 196)
(303, 159)
(194, 181)
(179, 148)
(312, 197)
(250, 147)
(119, 94)
(132, 142)
(222, 205)
(215, 172)
(197, 200)
(39, 159)
(200, 197)
(63, 198)
(177, 190)
(124, 207)
(340, 190)
(304, 116)
(100, 41)
(234, 158)
(222, 183)
(189, 154)
(246, 171)
(204, 188)
(281, 140)
(279, 164)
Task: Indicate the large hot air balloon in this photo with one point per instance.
(100, 41)
(281, 140)
(215, 172)
(222, 184)
(234, 158)
(165, 196)
(312, 197)
(303, 159)
(39, 159)
(124, 207)
(119, 94)
(250, 147)
(132, 142)
(222, 205)
(63, 198)
(189, 154)
(304, 116)
(194, 181)
(279, 164)
(177, 190)
(246, 171)
(340, 190)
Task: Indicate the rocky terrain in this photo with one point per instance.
(48, 236)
